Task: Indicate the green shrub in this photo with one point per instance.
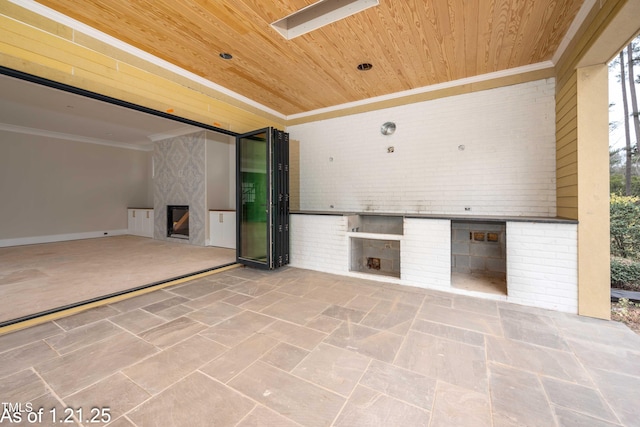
(625, 274)
(625, 226)
(616, 184)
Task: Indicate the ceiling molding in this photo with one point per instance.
(573, 29)
(186, 130)
(69, 137)
(432, 88)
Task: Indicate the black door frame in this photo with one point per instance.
(277, 204)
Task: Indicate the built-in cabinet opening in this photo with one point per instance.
(479, 256)
(375, 244)
(378, 224)
(373, 256)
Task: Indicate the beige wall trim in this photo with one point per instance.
(567, 150)
(596, 23)
(593, 192)
(75, 310)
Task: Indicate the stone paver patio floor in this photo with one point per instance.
(297, 347)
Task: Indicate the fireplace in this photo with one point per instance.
(178, 221)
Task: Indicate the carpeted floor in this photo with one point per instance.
(35, 278)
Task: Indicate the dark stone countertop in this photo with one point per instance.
(461, 218)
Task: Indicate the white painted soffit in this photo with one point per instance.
(76, 25)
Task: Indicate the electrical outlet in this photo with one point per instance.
(467, 208)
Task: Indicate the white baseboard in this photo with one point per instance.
(4, 243)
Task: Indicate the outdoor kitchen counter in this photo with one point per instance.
(466, 218)
(538, 254)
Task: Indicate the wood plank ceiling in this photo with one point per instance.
(411, 43)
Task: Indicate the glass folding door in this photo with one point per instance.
(262, 198)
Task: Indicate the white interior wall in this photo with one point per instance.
(50, 186)
(150, 175)
(220, 186)
(232, 173)
(507, 166)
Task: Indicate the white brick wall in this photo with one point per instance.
(542, 265)
(426, 253)
(319, 242)
(507, 167)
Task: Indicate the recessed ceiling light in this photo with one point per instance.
(365, 66)
(319, 14)
(226, 56)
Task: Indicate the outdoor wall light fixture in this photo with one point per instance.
(388, 128)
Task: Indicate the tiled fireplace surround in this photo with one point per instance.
(180, 179)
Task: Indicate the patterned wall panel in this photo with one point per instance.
(180, 179)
